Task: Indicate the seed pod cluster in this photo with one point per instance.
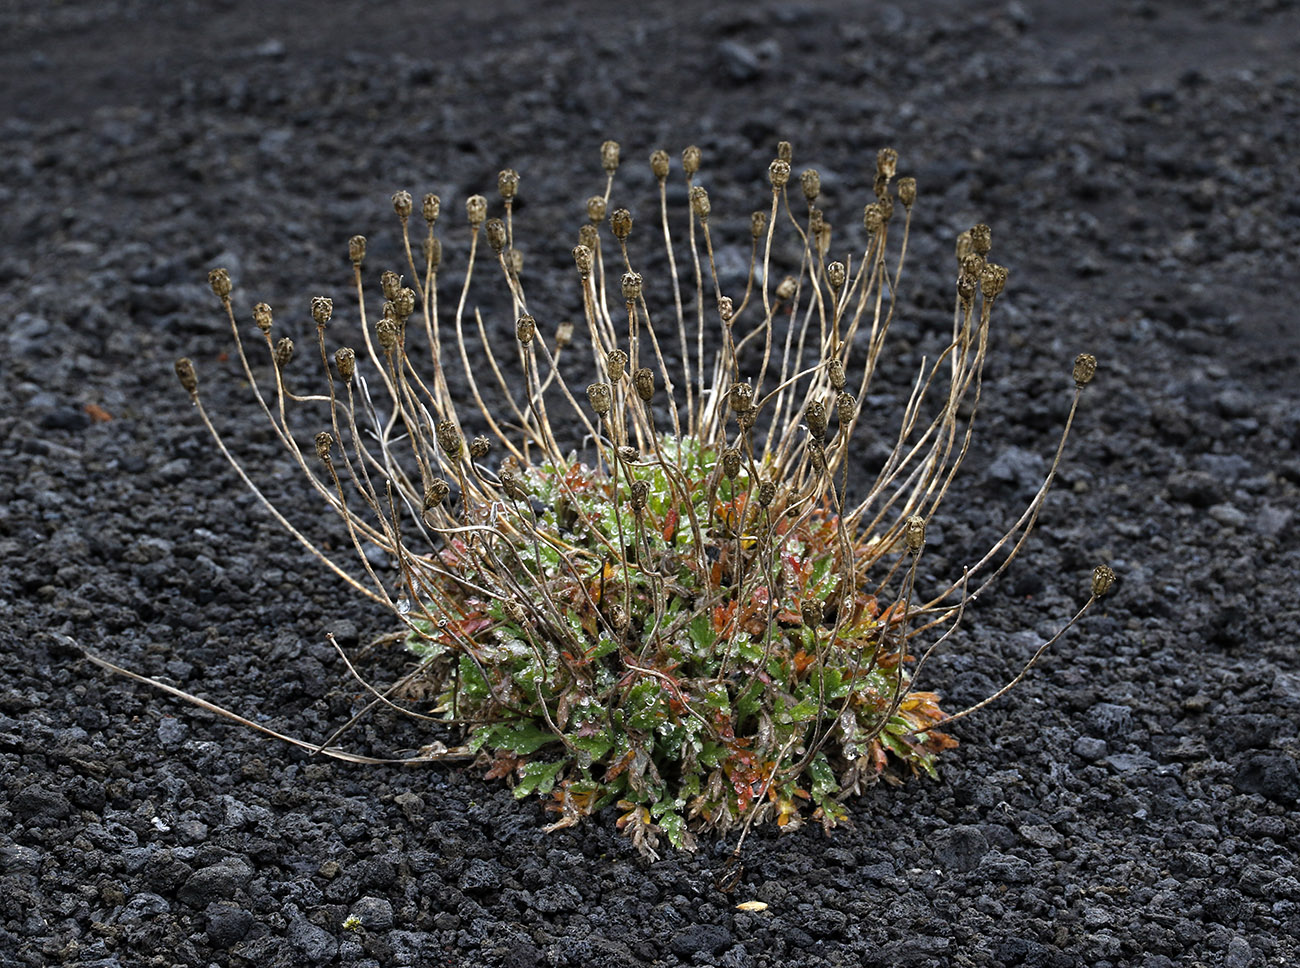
(600, 397)
(387, 332)
(1103, 577)
(615, 365)
(219, 280)
(262, 317)
(357, 250)
(778, 173)
(731, 463)
(810, 180)
(480, 447)
(691, 160)
(476, 210)
(507, 184)
(609, 152)
(815, 416)
(631, 285)
(525, 329)
(345, 358)
(620, 223)
(914, 533)
(430, 207)
(322, 308)
(283, 353)
(596, 209)
(449, 438)
(643, 380)
(496, 234)
(436, 493)
(1085, 368)
(659, 163)
(324, 441)
(185, 373)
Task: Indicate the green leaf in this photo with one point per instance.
(538, 778)
(521, 738)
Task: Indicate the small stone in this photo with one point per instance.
(375, 913)
(1089, 748)
(314, 943)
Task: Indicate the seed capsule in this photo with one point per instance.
(886, 162)
(731, 463)
(262, 317)
(185, 373)
(525, 329)
(449, 439)
(740, 396)
(596, 209)
(476, 210)
(404, 302)
(324, 441)
(766, 493)
(511, 486)
(1085, 368)
(907, 192)
(815, 416)
(390, 282)
(621, 224)
(628, 454)
(835, 371)
(496, 234)
(726, 310)
(507, 183)
(872, 218)
(514, 611)
(618, 618)
(758, 225)
(846, 405)
(357, 250)
(1102, 580)
(812, 612)
(609, 156)
(563, 335)
(659, 164)
(914, 533)
(836, 274)
(322, 308)
(786, 289)
(433, 252)
(589, 236)
(981, 238)
(480, 447)
(631, 283)
(700, 203)
(345, 358)
(993, 279)
(436, 493)
(582, 258)
(644, 382)
(691, 160)
(640, 493)
(387, 331)
(219, 280)
(283, 352)
(785, 151)
(615, 365)
(778, 173)
(430, 207)
(810, 180)
(600, 397)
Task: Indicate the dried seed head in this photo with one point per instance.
(402, 204)
(563, 335)
(219, 280)
(515, 261)
(609, 156)
(496, 234)
(324, 441)
(966, 286)
(390, 282)
(731, 463)
(618, 618)
(476, 210)
(357, 250)
(1102, 580)
(691, 160)
(835, 371)
(430, 207)
(741, 397)
(817, 455)
(886, 163)
(631, 283)
(886, 204)
(436, 493)
(525, 329)
(778, 173)
(615, 365)
(766, 493)
(640, 495)
(965, 247)
(628, 454)
(512, 487)
(404, 302)
(815, 416)
(596, 206)
(872, 219)
(785, 151)
(836, 274)
(758, 225)
(262, 316)
(185, 373)
(659, 164)
(322, 308)
(508, 183)
(589, 236)
(582, 258)
(621, 224)
(816, 221)
(700, 203)
(433, 252)
(449, 438)
(600, 397)
(972, 266)
(812, 612)
(1085, 368)
(914, 533)
(480, 447)
(981, 238)
(387, 331)
(726, 309)
(846, 405)
(283, 352)
(514, 611)
(993, 279)
(786, 289)
(746, 419)
(907, 192)
(345, 358)
(810, 180)
(644, 382)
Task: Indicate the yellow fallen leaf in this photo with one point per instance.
(751, 906)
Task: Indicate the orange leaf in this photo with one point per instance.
(97, 413)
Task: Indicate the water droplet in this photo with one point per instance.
(403, 606)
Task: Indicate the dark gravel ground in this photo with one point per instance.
(1134, 803)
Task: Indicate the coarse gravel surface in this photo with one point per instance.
(1133, 802)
